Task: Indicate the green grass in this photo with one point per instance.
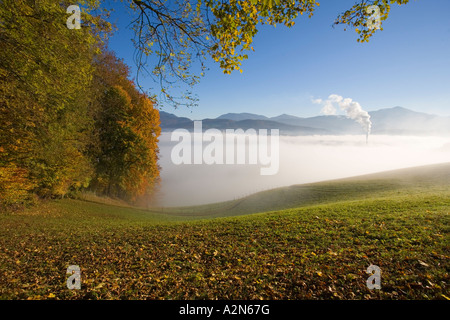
(316, 243)
(405, 181)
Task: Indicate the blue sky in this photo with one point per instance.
(407, 64)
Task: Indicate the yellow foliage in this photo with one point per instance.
(15, 187)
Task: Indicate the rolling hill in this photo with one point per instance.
(319, 248)
(405, 181)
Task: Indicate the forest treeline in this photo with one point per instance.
(70, 117)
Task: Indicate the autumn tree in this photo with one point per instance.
(45, 69)
(127, 127)
(178, 36)
(70, 117)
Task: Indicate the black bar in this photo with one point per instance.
(223, 309)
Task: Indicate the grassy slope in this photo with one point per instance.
(410, 180)
(319, 248)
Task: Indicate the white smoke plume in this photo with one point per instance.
(352, 109)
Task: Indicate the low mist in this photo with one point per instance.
(303, 159)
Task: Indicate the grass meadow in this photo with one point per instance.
(310, 241)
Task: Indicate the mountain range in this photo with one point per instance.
(391, 121)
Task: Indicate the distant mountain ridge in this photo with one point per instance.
(242, 116)
(397, 120)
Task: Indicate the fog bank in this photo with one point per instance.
(303, 159)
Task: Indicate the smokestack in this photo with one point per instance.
(352, 109)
